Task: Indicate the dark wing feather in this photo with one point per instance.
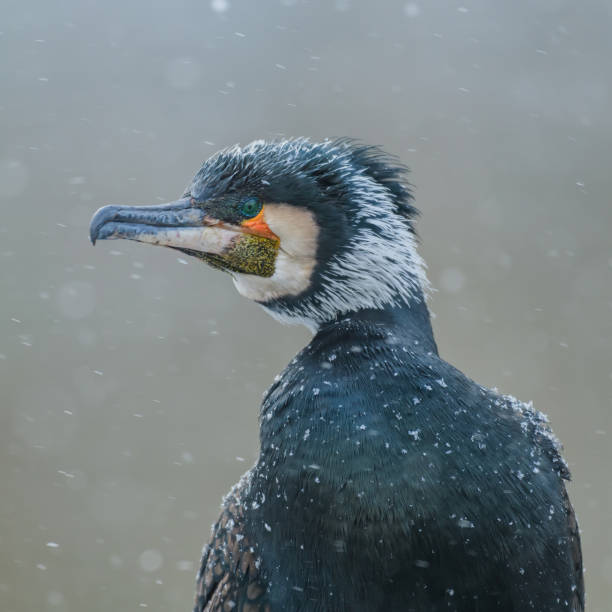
(577, 604)
(228, 580)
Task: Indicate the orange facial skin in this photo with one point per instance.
(258, 226)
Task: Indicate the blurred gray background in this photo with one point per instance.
(130, 382)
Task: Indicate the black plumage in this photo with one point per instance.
(387, 480)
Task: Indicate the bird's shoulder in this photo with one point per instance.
(229, 577)
(352, 366)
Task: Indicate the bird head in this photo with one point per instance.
(308, 230)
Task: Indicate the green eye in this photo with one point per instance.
(251, 207)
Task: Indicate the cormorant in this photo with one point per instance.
(386, 480)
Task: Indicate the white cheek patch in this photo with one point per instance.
(296, 259)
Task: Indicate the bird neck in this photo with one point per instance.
(342, 352)
(409, 321)
(350, 364)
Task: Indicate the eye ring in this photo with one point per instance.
(250, 207)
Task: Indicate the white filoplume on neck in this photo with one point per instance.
(379, 266)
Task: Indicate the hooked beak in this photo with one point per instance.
(176, 224)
